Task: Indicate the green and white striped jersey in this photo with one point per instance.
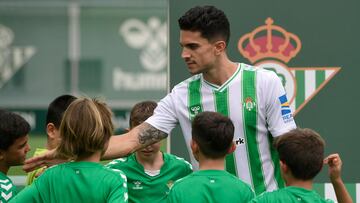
(7, 188)
(255, 101)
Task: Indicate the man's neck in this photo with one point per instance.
(221, 72)
(152, 163)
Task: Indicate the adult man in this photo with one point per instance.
(254, 99)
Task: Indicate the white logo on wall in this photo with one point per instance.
(151, 39)
(12, 58)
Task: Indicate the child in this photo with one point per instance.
(13, 149)
(212, 140)
(301, 154)
(84, 131)
(149, 171)
(54, 115)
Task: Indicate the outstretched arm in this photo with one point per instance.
(119, 146)
(335, 163)
(137, 138)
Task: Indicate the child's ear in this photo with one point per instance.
(1, 155)
(194, 146)
(232, 148)
(284, 167)
(50, 130)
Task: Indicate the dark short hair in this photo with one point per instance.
(140, 112)
(57, 108)
(210, 21)
(12, 127)
(213, 133)
(302, 150)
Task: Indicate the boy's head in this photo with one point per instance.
(212, 134)
(14, 132)
(139, 113)
(85, 129)
(301, 152)
(211, 22)
(54, 115)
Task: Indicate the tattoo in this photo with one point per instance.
(149, 134)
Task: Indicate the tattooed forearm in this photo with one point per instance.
(149, 134)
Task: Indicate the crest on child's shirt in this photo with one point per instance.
(169, 184)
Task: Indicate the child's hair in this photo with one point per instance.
(57, 108)
(302, 150)
(12, 127)
(213, 133)
(140, 112)
(86, 128)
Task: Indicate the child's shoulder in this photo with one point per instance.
(175, 160)
(119, 162)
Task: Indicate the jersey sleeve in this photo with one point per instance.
(119, 192)
(165, 117)
(278, 112)
(29, 195)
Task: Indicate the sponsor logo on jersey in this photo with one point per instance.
(194, 110)
(285, 109)
(137, 185)
(271, 47)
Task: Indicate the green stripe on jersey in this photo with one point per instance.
(250, 126)
(222, 106)
(276, 163)
(194, 96)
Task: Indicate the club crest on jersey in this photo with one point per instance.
(285, 109)
(170, 183)
(249, 104)
(271, 47)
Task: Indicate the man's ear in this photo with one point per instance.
(232, 148)
(220, 46)
(50, 130)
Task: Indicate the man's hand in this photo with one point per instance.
(47, 159)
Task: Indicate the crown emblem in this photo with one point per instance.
(269, 41)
